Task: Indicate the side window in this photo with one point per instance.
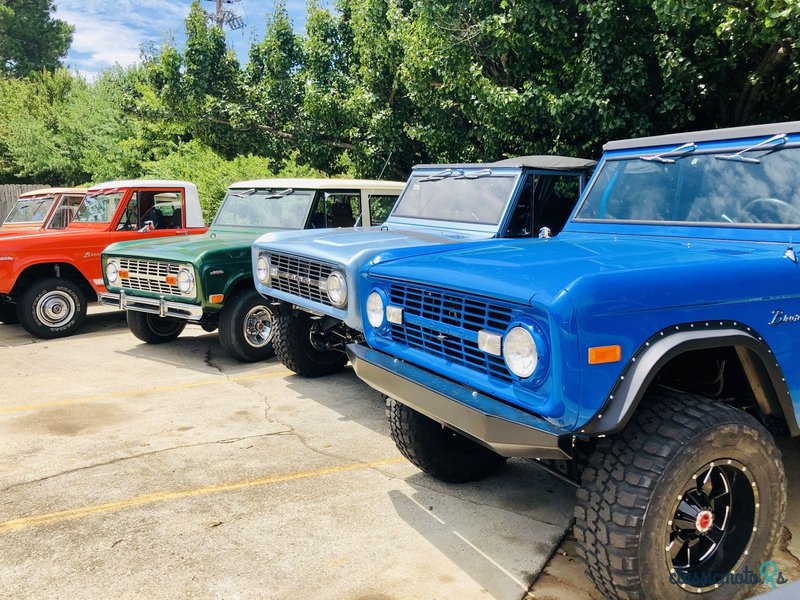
(130, 218)
(67, 207)
(521, 224)
(339, 209)
(161, 210)
(380, 207)
(554, 197)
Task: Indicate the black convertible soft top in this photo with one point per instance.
(549, 162)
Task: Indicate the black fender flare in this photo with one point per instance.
(647, 361)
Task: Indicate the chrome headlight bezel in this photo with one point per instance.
(375, 309)
(521, 351)
(262, 269)
(112, 271)
(185, 280)
(337, 293)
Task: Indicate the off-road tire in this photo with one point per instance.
(438, 451)
(292, 342)
(153, 329)
(232, 325)
(8, 313)
(632, 485)
(37, 306)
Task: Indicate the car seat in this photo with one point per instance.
(177, 218)
(342, 215)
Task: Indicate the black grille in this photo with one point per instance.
(462, 315)
(300, 277)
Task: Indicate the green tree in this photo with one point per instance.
(30, 38)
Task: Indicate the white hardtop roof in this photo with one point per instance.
(319, 184)
(143, 183)
(53, 190)
(707, 135)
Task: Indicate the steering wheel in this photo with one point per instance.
(771, 210)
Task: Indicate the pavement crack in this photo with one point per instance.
(209, 360)
(783, 546)
(140, 455)
(492, 506)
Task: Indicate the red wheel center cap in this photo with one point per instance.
(704, 521)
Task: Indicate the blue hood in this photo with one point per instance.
(356, 245)
(604, 274)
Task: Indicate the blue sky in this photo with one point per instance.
(110, 32)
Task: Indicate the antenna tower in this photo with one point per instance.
(225, 15)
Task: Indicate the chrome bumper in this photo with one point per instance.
(507, 430)
(154, 306)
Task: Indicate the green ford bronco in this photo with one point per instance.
(163, 284)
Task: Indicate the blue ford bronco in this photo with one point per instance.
(653, 344)
(312, 276)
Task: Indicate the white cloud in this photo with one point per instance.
(109, 33)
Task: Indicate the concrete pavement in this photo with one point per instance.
(131, 470)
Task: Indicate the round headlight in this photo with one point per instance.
(337, 289)
(519, 352)
(185, 280)
(112, 272)
(375, 309)
(262, 269)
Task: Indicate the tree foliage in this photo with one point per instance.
(30, 38)
(372, 87)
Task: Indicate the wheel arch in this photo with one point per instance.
(763, 373)
(54, 269)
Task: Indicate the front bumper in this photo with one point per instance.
(507, 430)
(154, 306)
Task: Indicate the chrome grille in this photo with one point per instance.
(149, 276)
(300, 277)
(446, 324)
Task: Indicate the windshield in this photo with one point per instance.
(753, 187)
(30, 210)
(265, 208)
(98, 208)
(478, 197)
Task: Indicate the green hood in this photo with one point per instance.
(193, 249)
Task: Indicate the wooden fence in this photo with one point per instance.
(9, 194)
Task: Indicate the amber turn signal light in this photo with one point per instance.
(216, 298)
(123, 273)
(605, 354)
(172, 279)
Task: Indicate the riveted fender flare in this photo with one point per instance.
(647, 361)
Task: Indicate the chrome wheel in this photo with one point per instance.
(712, 526)
(55, 308)
(258, 326)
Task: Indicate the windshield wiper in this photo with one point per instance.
(474, 174)
(249, 192)
(438, 176)
(678, 152)
(775, 140)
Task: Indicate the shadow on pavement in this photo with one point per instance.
(201, 353)
(498, 531)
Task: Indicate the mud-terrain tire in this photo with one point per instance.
(153, 329)
(646, 501)
(293, 346)
(8, 313)
(438, 451)
(52, 308)
(246, 327)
